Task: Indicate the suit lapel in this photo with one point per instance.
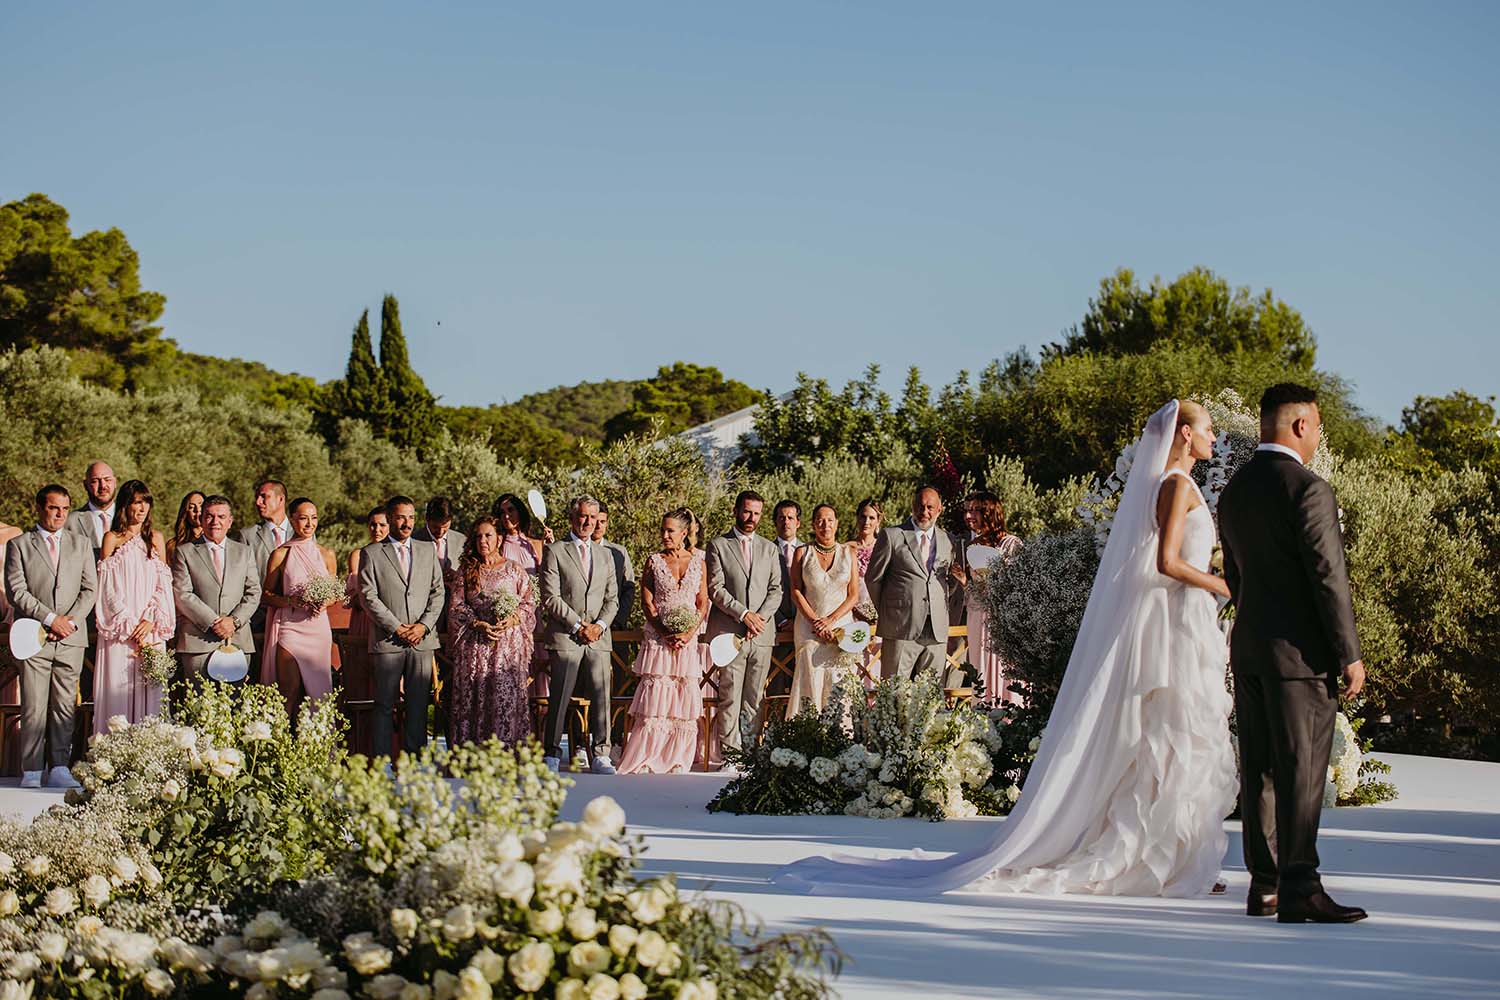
(40, 545)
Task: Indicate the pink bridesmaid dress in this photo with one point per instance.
(668, 702)
(133, 587)
(302, 632)
(991, 666)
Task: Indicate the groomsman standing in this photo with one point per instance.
(624, 571)
(787, 516)
(579, 600)
(50, 576)
(910, 579)
(217, 590)
(438, 530)
(402, 585)
(744, 588)
(273, 528)
(98, 515)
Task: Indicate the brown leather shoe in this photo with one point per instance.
(1261, 904)
(1318, 909)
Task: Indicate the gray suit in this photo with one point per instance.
(570, 599)
(787, 612)
(624, 582)
(912, 599)
(85, 521)
(49, 680)
(202, 599)
(734, 592)
(455, 541)
(258, 536)
(393, 600)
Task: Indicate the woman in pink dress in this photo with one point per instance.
(985, 516)
(668, 702)
(298, 657)
(377, 527)
(491, 652)
(8, 532)
(134, 609)
(513, 520)
(867, 518)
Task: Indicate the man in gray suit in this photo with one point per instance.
(401, 582)
(786, 516)
(438, 530)
(98, 515)
(744, 591)
(624, 571)
(50, 576)
(911, 580)
(217, 589)
(579, 600)
(266, 535)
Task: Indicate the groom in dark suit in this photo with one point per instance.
(1293, 637)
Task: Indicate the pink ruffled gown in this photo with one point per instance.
(133, 587)
(302, 632)
(668, 702)
(489, 696)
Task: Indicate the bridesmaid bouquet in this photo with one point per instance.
(319, 591)
(495, 606)
(680, 619)
(157, 665)
(866, 611)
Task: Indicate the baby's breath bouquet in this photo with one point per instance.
(496, 606)
(157, 665)
(319, 591)
(867, 611)
(680, 619)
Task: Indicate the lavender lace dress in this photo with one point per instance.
(489, 695)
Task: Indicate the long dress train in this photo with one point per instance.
(1135, 773)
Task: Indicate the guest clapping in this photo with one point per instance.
(216, 588)
(402, 586)
(825, 588)
(668, 699)
(984, 515)
(50, 577)
(301, 584)
(135, 610)
(188, 527)
(493, 616)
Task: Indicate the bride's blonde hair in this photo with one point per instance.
(1189, 413)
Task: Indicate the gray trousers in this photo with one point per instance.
(49, 695)
(909, 657)
(742, 688)
(413, 668)
(567, 666)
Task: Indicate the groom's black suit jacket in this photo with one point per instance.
(1284, 563)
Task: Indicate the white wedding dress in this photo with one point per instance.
(1135, 772)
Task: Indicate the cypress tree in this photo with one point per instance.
(412, 418)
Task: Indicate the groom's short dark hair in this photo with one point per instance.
(1280, 395)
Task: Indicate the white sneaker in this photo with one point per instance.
(602, 765)
(580, 761)
(552, 764)
(61, 777)
(31, 779)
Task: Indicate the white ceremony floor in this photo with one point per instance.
(1427, 867)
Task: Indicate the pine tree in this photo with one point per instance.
(412, 419)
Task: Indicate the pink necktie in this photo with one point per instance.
(925, 549)
(745, 551)
(583, 557)
(276, 535)
(405, 555)
(103, 526)
(442, 547)
(788, 553)
(218, 563)
(52, 551)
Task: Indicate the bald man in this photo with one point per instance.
(95, 518)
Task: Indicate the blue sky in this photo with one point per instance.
(589, 191)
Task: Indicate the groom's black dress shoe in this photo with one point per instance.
(1318, 909)
(1261, 904)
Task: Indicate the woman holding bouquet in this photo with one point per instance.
(825, 589)
(492, 619)
(134, 610)
(985, 516)
(668, 700)
(301, 583)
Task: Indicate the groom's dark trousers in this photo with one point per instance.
(1293, 635)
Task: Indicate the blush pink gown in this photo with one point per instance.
(303, 633)
(133, 586)
(668, 702)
